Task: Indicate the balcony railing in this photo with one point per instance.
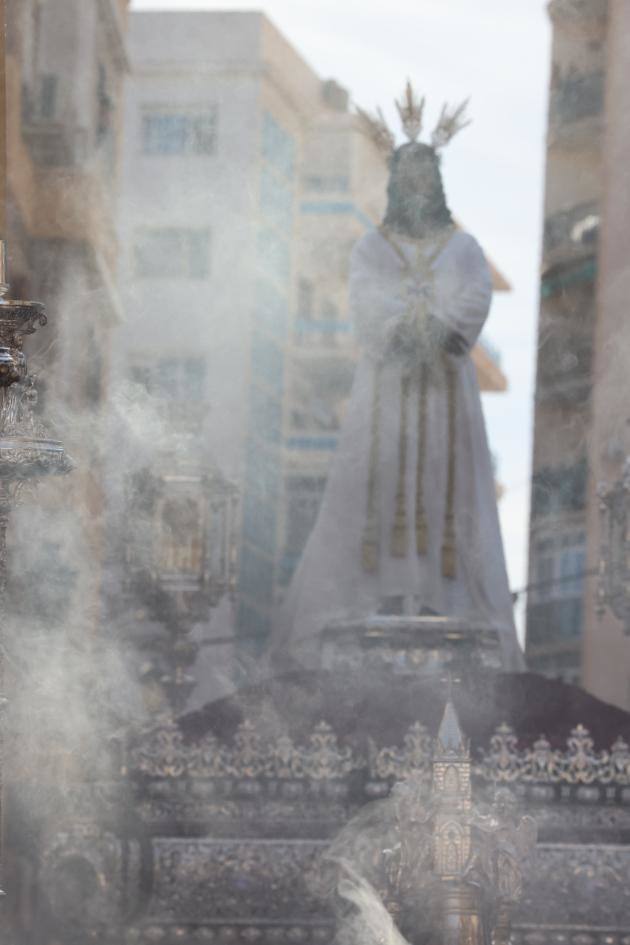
(312, 442)
(53, 144)
(576, 100)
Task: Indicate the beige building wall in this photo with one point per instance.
(606, 650)
(582, 393)
(556, 608)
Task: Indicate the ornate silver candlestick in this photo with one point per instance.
(26, 450)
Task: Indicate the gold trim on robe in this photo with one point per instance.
(399, 545)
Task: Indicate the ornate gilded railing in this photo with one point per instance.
(253, 753)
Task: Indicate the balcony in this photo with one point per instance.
(53, 144)
(576, 105)
(560, 491)
(571, 234)
(312, 442)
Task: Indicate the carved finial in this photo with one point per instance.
(411, 108)
(451, 121)
(450, 737)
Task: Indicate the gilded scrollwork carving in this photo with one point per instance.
(398, 763)
(161, 752)
(253, 755)
(579, 764)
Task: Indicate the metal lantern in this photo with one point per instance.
(613, 587)
(181, 562)
(193, 550)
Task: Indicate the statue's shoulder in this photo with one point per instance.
(371, 241)
(464, 245)
(374, 248)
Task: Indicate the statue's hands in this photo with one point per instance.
(447, 339)
(455, 343)
(409, 338)
(401, 338)
(436, 334)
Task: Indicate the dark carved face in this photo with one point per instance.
(415, 193)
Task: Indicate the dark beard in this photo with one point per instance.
(404, 218)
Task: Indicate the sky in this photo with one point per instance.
(497, 53)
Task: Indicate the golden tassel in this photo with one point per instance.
(369, 544)
(449, 550)
(422, 532)
(400, 539)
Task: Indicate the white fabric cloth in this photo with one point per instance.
(330, 582)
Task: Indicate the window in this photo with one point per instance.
(171, 132)
(572, 566)
(172, 253)
(559, 567)
(545, 576)
(180, 378)
(48, 97)
(304, 496)
(104, 106)
(306, 299)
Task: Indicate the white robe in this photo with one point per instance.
(330, 581)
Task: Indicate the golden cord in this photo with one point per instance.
(449, 563)
(400, 538)
(370, 543)
(422, 536)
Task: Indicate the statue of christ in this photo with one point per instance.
(408, 523)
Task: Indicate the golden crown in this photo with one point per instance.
(411, 111)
